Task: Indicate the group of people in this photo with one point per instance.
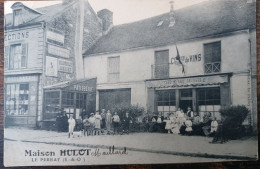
(183, 123)
(101, 123)
(191, 123)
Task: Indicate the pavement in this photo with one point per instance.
(163, 143)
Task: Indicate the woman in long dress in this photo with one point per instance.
(98, 119)
(174, 124)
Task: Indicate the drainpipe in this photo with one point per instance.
(79, 41)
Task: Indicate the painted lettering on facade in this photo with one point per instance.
(14, 79)
(82, 88)
(207, 80)
(16, 35)
(187, 59)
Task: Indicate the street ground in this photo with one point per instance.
(141, 147)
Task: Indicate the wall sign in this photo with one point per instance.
(65, 66)
(193, 81)
(16, 35)
(187, 59)
(58, 51)
(55, 36)
(85, 86)
(15, 79)
(51, 66)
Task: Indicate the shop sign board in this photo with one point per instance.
(191, 81)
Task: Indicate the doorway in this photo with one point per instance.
(186, 99)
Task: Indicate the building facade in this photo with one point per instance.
(194, 57)
(43, 48)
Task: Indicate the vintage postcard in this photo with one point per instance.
(94, 82)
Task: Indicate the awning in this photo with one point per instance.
(188, 81)
(83, 85)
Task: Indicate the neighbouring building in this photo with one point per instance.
(137, 63)
(43, 61)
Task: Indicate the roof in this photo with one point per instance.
(47, 13)
(200, 20)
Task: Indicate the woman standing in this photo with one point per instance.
(98, 119)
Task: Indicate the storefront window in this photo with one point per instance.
(166, 101)
(209, 101)
(67, 99)
(80, 100)
(17, 99)
(52, 102)
(110, 99)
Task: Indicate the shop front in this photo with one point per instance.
(21, 93)
(201, 93)
(72, 97)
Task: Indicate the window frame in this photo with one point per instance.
(20, 17)
(169, 101)
(23, 54)
(214, 65)
(18, 104)
(109, 72)
(209, 90)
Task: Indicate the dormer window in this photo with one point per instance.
(17, 17)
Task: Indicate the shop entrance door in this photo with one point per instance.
(185, 99)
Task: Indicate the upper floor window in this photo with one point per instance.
(212, 55)
(161, 67)
(18, 56)
(17, 17)
(113, 69)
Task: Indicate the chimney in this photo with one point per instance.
(65, 2)
(106, 17)
(172, 17)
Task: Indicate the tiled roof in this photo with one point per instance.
(47, 13)
(200, 20)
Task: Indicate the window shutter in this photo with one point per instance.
(225, 96)
(24, 55)
(6, 58)
(151, 100)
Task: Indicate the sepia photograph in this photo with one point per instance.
(107, 82)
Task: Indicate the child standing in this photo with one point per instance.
(72, 124)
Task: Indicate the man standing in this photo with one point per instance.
(116, 120)
(72, 124)
(103, 121)
(190, 114)
(126, 123)
(108, 120)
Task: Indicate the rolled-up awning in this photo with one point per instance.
(84, 85)
(205, 80)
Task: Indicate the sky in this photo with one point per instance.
(124, 11)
